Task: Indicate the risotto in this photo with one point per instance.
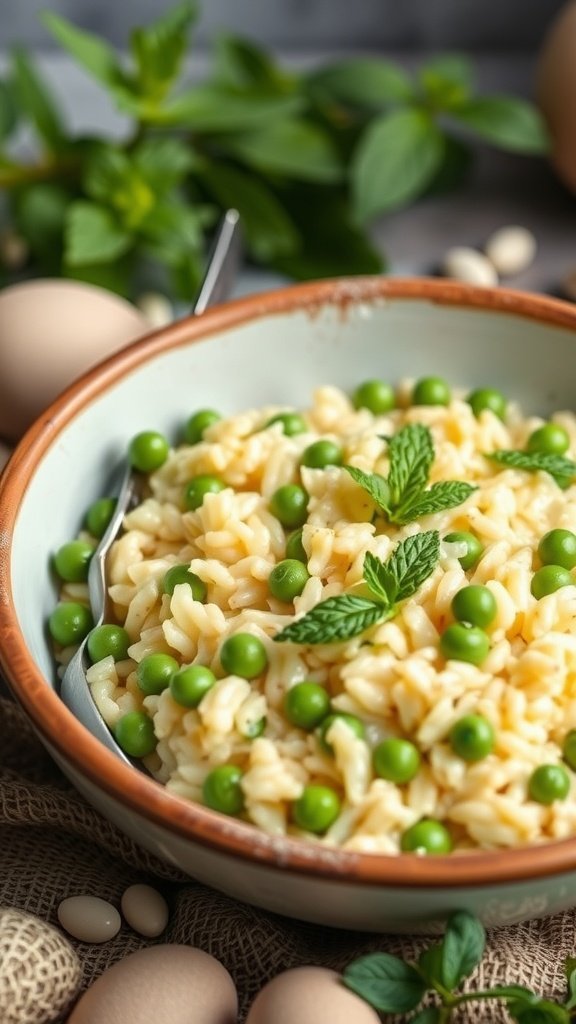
(355, 623)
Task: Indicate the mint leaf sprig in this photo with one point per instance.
(346, 616)
(403, 496)
(561, 469)
(393, 985)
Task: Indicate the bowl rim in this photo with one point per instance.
(88, 757)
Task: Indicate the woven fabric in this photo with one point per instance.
(54, 845)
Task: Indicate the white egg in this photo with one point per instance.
(89, 918)
(50, 333)
(308, 995)
(40, 973)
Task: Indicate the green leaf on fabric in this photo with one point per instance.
(570, 1003)
(388, 984)
(35, 100)
(95, 56)
(396, 159)
(429, 1015)
(542, 1011)
(510, 123)
(291, 147)
(159, 49)
(430, 964)
(93, 235)
(462, 948)
(362, 82)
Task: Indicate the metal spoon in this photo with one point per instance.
(220, 273)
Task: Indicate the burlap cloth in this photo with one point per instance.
(53, 845)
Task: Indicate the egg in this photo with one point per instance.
(50, 333)
(40, 973)
(469, 265)
(89, 918)
(164, 984)
(145, 910)
(307, 995)
(556, 91)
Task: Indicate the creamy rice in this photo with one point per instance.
(398, 684)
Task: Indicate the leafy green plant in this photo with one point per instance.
(308, 159)
(392, 985)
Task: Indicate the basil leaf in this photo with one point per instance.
(337, 618)
(159, 49)
(36, 102)
(563, 470)
(360, 82)
(374, 485)
(462, 948)
(95, 56)
(430, 964)
(376, 576)
(388, 984)
(92, 235)
(396, 158)
(507, 122)
(410, 564)
(541, 1011)
(429, 1015)
(441, 496)
(211, 110)
(411, 454)
(291, 147)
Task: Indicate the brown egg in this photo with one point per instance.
(307, 995)
(39, 971)
(556, 91)
(162, 984)
(50, 333)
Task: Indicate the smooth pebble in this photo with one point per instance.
(307, 995)
(511, 249)
(145, 910)
(470, 266)
(89, 918)
(156, 308)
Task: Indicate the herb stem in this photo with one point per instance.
(28, 174)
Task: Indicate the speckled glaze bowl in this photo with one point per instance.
(274, 347)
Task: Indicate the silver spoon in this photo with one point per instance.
(75, 692)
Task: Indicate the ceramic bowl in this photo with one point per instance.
(276, 347)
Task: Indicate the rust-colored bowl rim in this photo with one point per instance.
(136, 791)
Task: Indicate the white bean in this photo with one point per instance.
(511, 249)
(156, 308)
(469, 265)
(145, 910)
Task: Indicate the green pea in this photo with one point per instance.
(306, 704)
(461, 641)
(353, 723)
(427, 836)
(558, 547)
(288, 579)
(254, 729)
(548, 783)
(475, 604)
(473, 547)
(322, 454)
(72, 561)
(108, 640)
(551, 439)
(316, 809)
(134, 732)
(472, 737)
(197, 489)
(99, 515)
(548, 580)
(155, 671)
(148, 451)
(243, 655)
(198, 423)
(431, 391)
(397, 760)
(292, 423)
(375, 395)
(295, 548)
(569, 749)
(190, 684)
(178, 574)
(222, 790)
(290, 505)
(487, 398)
(70, 623)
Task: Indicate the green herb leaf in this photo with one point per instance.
(35, 100)
(374, 485)
(40, 214)
(454, 170)
(541, 1011)
(462, 948)
(112, 178)
(375, 575)
(337, 618)
(513, 124)
(570, 1003)
(563, 470)
(159, 49)
(8, 112)
(429, 1015)
(211, 110)
(411, 454)
(361, 82)
(388, 984)
(173, 229)
(443, 495)
(569, 967)
(163, 163)
(291, 147)
(447, 80)
(96, 56)
(92, 235)
(430, 964)
(410, 564)
(395, 160)
(241, 63)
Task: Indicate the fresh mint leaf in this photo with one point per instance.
(447, 80)
(430, 964)
(563, 470)
(443, 495)
(338, 618)
(396, 158)
(40, 214)
(96, 57)
(163, 162)
(507, 122)
(411, 453)
(159, 49)
(241, 63)
(374, 485)
(112, 179)
(462, 948)
(570, 1003)
(93, 235)
(292, 147)
(410, 564)
(211, 110)
(375, 575)
(173, 229)
(360, 82)
(388, 984)
(35, 100)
